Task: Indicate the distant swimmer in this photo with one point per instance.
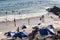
(42, 18)
(1, 9)
(19, 13)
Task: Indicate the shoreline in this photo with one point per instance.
(22, 16)
(29, 20)
(29, 29)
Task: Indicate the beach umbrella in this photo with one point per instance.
(14, 22)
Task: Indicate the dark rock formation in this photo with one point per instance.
(55, 10)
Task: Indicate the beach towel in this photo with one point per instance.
(43, 32)
(8, 34)
(13, 33)
(26, 33)
(21, 35)
(18, 35)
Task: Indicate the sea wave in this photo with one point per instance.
(22, 16)
(26, 5)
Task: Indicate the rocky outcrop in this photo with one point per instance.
(55, 10)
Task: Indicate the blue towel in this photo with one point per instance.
(18, 35)
(21, 34)
(8, 34)
(24, 27)
(43, 32)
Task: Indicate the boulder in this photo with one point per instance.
(55, 10)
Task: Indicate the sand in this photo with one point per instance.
(55, 22)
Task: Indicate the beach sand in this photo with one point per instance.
(55, 22)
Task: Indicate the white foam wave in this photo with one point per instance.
(47, 7)
(23, 16)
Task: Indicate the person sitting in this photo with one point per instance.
(17, 29)
(23, 26)
(33, 34)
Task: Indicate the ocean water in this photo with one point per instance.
(29, 8)
(25, 6)
(10, 9)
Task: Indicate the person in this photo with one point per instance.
(17, 29)
(42, 18)
(33, 34)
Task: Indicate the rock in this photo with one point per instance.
(55, 10)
